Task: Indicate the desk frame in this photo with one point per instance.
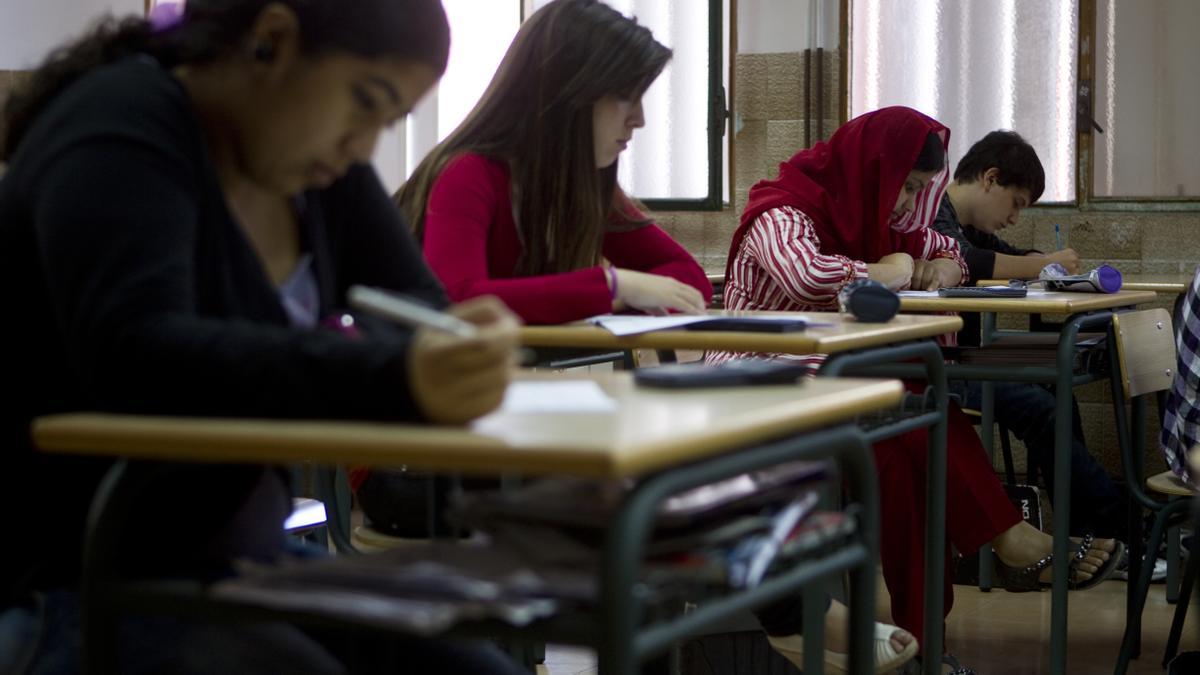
(1065, 379)
(623, 641)
(876, 360)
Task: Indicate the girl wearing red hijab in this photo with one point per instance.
(859, 207)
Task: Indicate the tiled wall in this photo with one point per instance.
(770, 103)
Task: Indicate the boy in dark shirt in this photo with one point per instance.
(997, 178)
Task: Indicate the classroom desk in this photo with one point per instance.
(851, 346)
(670, 440)
(842, 335)
(1086, 312)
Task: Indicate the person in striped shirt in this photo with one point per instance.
(859, 206)
(1181, 418)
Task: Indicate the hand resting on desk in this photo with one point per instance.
(656, 294)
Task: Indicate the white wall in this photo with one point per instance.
(31, 28)
(773, 26)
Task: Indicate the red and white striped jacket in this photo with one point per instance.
(780, 267)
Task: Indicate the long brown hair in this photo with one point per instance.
(536, 116)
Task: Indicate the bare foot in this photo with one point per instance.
(1024, 544)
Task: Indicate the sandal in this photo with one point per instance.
(886, 658)
(1025, 579)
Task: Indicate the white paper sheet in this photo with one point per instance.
(634, 324)
(571, 396)
(621, 325)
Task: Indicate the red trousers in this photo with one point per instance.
(977, 510)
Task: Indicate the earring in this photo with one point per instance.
(264, 52)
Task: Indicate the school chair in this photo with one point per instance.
(1144, 363)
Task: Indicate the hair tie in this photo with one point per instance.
(165, 16)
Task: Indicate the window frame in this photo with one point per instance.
(1085, 158)
(718, 118)
(1085, 163)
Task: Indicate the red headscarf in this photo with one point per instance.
(849, 186)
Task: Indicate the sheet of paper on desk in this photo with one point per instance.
(633, 324)
(572, 396)
(620, 325)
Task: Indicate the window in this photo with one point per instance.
(974, 65)
(1146, 100)
(676, 162)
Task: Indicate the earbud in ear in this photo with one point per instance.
(264, 52)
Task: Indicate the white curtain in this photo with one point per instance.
(975, 65)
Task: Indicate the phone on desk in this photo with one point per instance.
(982, 292)
(737, 373)
(751, 324)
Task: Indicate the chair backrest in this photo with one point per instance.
(1145, 351)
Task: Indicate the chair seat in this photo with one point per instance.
(1168, 483)
(369, 540)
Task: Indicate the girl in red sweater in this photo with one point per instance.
(522, 202)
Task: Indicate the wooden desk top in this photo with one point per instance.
(652, 429)
(1160, 283)
(843, 335)
(1047, 303)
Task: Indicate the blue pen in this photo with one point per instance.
(1057, 237)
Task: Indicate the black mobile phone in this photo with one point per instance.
(751, 324)
(737, 373)
(982, 292)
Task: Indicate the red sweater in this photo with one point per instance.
(471, 243)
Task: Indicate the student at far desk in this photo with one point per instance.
(868, 193)
(999, 177)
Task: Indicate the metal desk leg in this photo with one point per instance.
(935, 499)
(986, 429)
(1063, 428)
(624, 642)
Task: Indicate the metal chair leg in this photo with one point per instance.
(1185, 595)
(1173, 565)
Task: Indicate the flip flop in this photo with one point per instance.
(1024, 579)
(1103, 574)
(886, 659)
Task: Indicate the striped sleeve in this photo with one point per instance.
(931, 244)
(784, 243)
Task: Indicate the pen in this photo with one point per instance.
(1057, 237)
(405, 311)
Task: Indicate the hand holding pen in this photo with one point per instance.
(460, 361)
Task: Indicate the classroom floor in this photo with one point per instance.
(1008, 633)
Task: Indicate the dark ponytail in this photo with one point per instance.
(406, 29)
